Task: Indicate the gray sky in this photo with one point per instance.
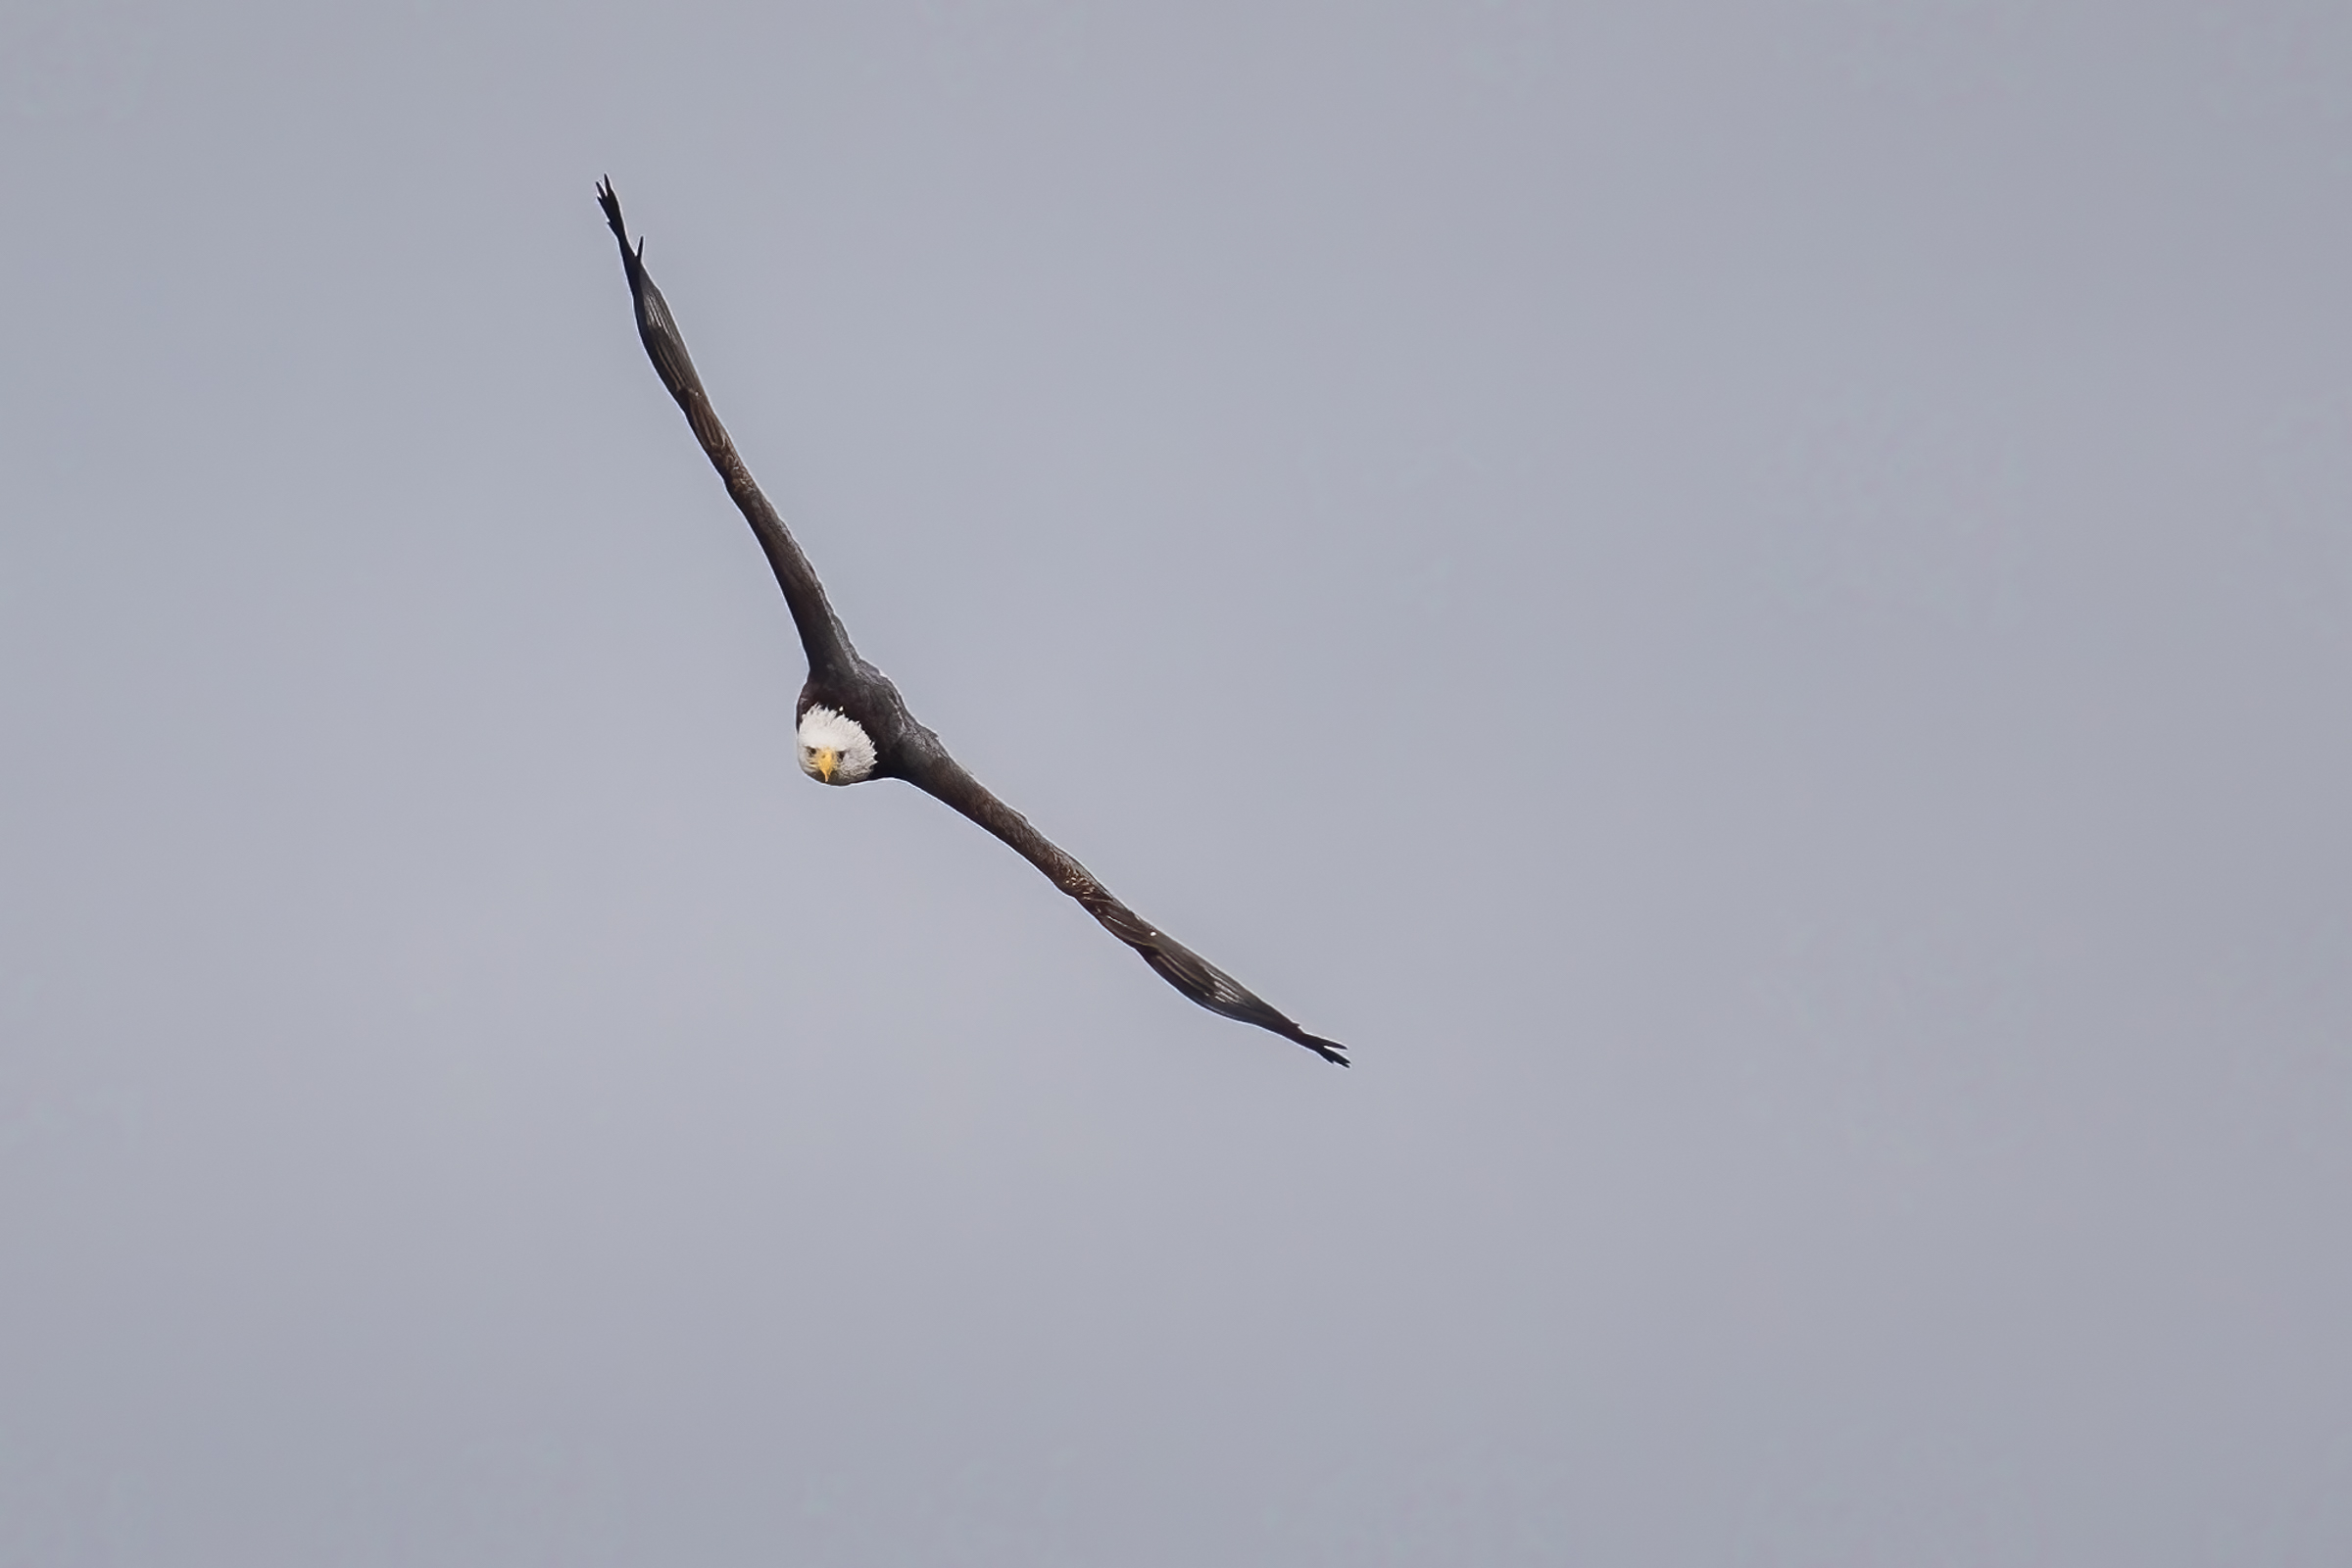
(1753, 602)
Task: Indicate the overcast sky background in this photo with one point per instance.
(1753, 602)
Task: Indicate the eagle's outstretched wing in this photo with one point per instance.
(823, 636)
(929, 769)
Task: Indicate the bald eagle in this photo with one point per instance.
(854, 726)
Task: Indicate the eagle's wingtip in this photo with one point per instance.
(1330, 1050)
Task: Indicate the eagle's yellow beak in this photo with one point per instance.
(827, 760)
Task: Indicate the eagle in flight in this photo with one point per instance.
(854, 725)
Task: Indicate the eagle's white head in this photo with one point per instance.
(835, 748)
